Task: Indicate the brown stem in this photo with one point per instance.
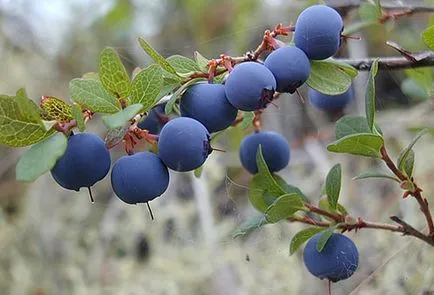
(415, 191)
(411, 231)
(335, 217)
(423, 59)
(424, 207)
(403, 226)
(385, 157)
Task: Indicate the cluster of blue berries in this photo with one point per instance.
(184, 142)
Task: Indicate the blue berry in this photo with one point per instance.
(250, 86)
(208, 104)
(184, 144)
(337, 261)
(155, 119)
(85, 162)
(139, 178)
(290, 66)
(318, 32)
(275, 150)
(330, 102)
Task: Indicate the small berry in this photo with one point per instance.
(275, 150)
(85, 162)
(139, 178)
(208, 104)
(184, 144)
(155, 120)
(318, 32)
(250, 86)
(337, 261)
(330, 102)
(290, 66)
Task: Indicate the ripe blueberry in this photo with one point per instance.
(184, 144)
(155, 119)
(275, 150)
(250, 86)
(139, 178)
(318, 31)
(337, 261)
(290, 66)
(208, 104)
(330, 102)
(85, 162)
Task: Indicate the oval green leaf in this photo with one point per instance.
(41, 157)
(119, 119)
(367, 145)
(113, 75)
(91, 95)
(302, 236)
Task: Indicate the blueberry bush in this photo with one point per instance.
(179, 106)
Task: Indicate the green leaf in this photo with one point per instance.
(90, 76)
(183, 65)
(349, 125)
(247, 119)
(349, 69)
(378, 6)
(156, 57)
(166, 90)
(255, 222)
(266, 177)
(370, 96)
(428, 37)
(367, 145)
(77, 114)
(119, 119)
(115, 136)
(412, 89)
(408, 165)
(366, 175)
(146, 86)
(325, 236)
(41, 157)
(422, 77)
(113, 75)
(289, 189)
(20, 121)
(333, 185)
(302, 236)
(201, 61)
(324, 204)
(178, 93)
(369, 12)
(329, 77)
(27, 106)
(91, 95)
(198, 172)
(260, 196)
(407, 152)
(56, 109)
(284, 207)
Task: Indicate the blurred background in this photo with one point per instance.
(53, 241)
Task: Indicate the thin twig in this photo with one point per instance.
(353, 4)
(424, 59)
(415, 191)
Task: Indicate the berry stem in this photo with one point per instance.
(90, 195)
(150, 210)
